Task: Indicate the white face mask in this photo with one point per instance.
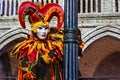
(42, 32)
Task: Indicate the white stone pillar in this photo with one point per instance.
(44, 2)
(61, 3)
(1, 7)
(118, 5)
(96, 2)
(91, 4)
(54, 1)
(86, 6)
(19, 2)
(10, 4)
(102, 2)
(107, 6)
(5, 12)
(81, 6)
(113, 7)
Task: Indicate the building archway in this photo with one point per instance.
(8, 65)
(109, 66)
(99, 44)
(5, 69)
(96, 53)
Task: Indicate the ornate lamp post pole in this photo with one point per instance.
(70, 71)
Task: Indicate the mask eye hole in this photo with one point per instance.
(40, 27)
(46, 27)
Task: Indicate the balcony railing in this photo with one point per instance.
(10, 7)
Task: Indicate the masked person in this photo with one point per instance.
(40, 55)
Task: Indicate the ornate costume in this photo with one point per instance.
(40, 59)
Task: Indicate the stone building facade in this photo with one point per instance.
(99, 22)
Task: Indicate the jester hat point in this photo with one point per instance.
(40, 15)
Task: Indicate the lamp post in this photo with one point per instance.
(70, 68)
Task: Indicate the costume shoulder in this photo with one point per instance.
(57, 38)
(25, 47)
(56, 35)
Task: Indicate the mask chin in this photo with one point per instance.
(41, 38)
(36, 35)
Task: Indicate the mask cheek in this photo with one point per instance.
(40, 36)
(46, 32)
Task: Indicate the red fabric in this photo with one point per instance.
(49, 10)
(58, 53)
(32, 55)
(20, 74)
(23, 52)
(22, 14)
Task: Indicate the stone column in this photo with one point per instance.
(91, 8)
(107, 6)
(96, 2)
(61, 3)
(70, 70)
(86, 7)
(81, 6)
(118, 6)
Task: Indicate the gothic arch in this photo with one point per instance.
(99, 44)
(100, 32)
(12, 37)
(97, 55)
(109, 66)
(7, 40)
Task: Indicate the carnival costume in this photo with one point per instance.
(40, 59)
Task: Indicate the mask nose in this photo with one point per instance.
(44, 31)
